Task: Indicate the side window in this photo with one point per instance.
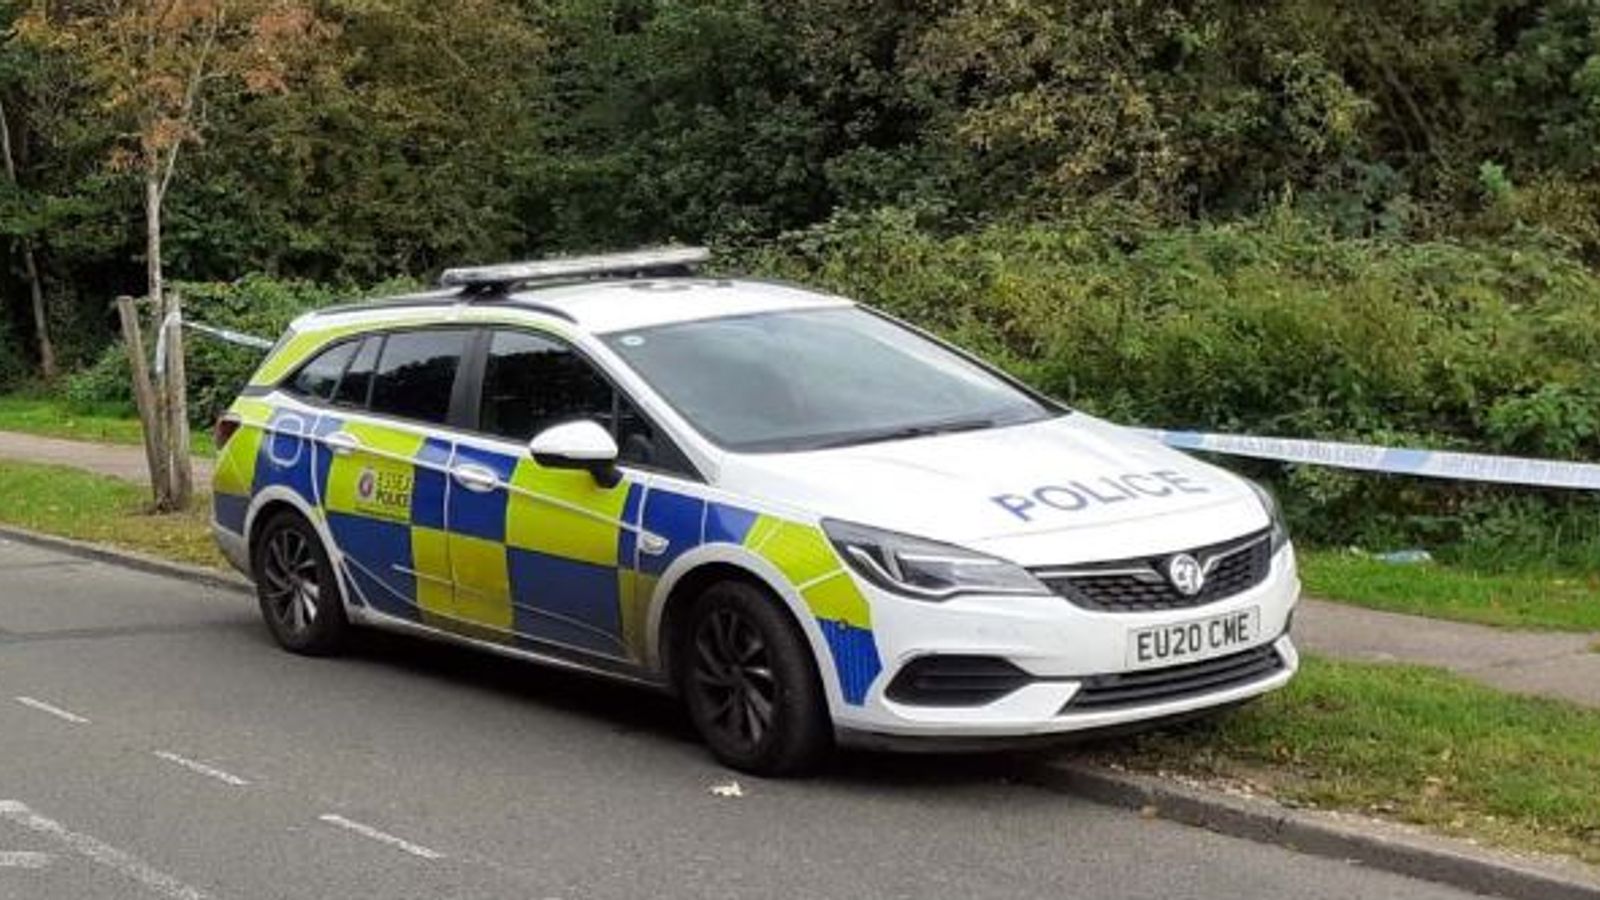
(532, 382)
(317, 378)
(356, 385)
(416, 373)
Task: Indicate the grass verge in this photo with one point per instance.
(107, 423)
(77, 504)
(1408, 743)
(1542, 600)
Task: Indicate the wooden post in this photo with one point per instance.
(180, 470)
(145, 398)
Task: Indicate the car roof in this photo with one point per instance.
(601, 305)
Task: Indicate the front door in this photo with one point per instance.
(547, 553)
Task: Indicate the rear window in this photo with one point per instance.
(320, 376)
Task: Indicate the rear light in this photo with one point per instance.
(223, 431)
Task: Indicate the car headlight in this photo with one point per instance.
(926, 570)
(1280, 531)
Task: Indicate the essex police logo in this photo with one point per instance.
(384, 493)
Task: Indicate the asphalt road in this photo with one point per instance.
(154, 743)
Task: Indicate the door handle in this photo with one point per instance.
(342, 443)
(475, 478)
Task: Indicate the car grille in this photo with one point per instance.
(1127, 689)
(1138, 585)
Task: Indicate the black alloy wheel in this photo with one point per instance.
(733, 672)
(750, 682)
(297, 588)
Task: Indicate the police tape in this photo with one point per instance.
(231, 336)
(1393, 460)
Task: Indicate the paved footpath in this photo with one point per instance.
(117, 460)
(1550, 664)
(1546, 663)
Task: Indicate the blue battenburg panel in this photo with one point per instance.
(229, 511)
(728, 524)
(378, 547)
(287, 459)
(428, 486)
(627, 538)
(481, 515)
(677, 518)
(565, 601)
(855, 658)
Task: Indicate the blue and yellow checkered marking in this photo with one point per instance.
(523, 568)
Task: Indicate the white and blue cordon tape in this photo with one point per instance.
(1361, 457)
(1394, 460)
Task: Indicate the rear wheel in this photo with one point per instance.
(751, 684)
(297, 588)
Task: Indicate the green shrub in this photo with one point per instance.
(255, 305)
(108, 381)
(1273, 327)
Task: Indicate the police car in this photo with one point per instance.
(812, 522)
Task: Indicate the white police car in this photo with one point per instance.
(809, 520)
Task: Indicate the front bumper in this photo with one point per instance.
(1064, 650)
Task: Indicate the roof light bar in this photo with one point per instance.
(637, 262)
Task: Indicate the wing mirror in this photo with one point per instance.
(583, 444)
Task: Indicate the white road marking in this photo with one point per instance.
(201, 768)
(119, 861)
(382, 837)
(56, 711)
(24, 860)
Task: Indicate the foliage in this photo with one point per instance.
(1274, 326)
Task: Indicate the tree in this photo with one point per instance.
(150, 65)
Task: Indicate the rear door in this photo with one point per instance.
(386, 475)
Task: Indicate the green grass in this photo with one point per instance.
(1531, 599)
(1407, 743)
(105, 422)
(76, 504)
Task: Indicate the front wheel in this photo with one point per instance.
(297, 588)
(751, 684)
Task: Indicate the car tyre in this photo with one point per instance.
(748, 677)
(297, 588)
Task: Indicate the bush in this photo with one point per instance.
(1272, 327)
(255, 305)
(109, 380)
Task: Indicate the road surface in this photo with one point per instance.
(154, 743)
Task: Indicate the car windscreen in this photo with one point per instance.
(809, 379)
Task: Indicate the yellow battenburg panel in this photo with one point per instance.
(533, 524)
(236, 468)
(430, 557)
(837, 599)
(801, 552)
(804, 555)
(483, 583)
(634, 592)
(377, 480)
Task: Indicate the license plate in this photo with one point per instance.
(1197, 639)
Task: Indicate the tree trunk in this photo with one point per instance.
(41, 322)
(152, 231)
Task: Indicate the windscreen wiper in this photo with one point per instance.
(905, 432)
